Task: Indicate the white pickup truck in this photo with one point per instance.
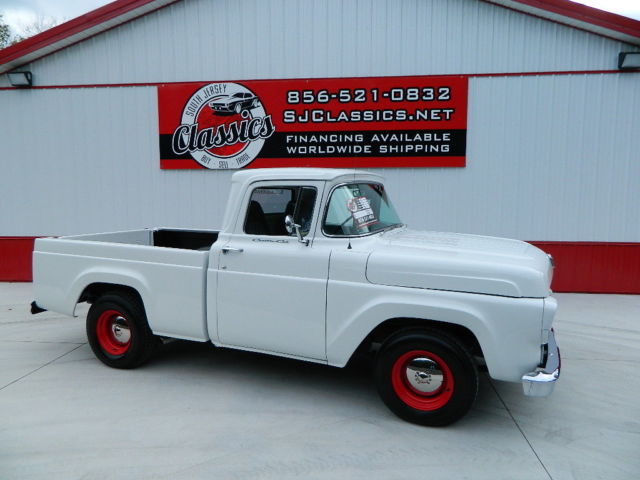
(315, 264)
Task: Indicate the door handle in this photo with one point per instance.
(232, 249)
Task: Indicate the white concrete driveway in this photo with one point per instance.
(195, 412)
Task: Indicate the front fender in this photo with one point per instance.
(344, 337)
(507, 329)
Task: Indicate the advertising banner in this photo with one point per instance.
(418, 121)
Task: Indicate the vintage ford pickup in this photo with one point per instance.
(315, 264)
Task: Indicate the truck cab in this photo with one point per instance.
(283, 272)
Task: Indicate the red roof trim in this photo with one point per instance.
(584, 13)
(72, 27)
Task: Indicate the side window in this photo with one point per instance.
(268, 208)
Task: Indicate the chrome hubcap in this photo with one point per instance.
(120, 330)
(424, 375)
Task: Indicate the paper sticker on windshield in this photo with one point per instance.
(361, 212)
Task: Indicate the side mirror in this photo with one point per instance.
(291, 227)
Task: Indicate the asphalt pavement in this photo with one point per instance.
(196, 412)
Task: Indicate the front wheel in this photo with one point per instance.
(118, 331)
(426, 377)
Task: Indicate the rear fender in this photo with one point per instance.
(119, 277)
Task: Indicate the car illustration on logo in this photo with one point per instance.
(237, 102)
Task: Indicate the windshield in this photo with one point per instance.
(359, 209)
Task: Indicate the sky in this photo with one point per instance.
(22, 12)
(18, 13)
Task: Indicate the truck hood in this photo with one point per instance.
(459, 262)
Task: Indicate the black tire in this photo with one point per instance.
(426, 377)
(118, 331)
(237, 107)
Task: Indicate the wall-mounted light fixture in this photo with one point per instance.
(629, 60)
(20, 79)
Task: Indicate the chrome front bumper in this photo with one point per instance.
(540, 382)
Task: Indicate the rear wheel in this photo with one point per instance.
(118, 331)
(426, 377)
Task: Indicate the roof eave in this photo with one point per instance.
(76, 30)
(579, 16)
(119, 12)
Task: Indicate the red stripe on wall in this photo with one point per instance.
(470, 75)
(594, 267)
(589, 267)
(364, 162)
(15, 259)
(328, 162)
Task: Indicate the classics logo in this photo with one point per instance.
(223, 125)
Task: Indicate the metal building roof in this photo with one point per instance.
(121, 11)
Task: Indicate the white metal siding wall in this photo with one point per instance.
(247, 39)
(549, 158)
(93, 165)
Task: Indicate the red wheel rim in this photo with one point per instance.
(113, 332)
(413, 397)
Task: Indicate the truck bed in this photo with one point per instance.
(171, 263)
(162, 237)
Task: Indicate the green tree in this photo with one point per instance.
(5, 33)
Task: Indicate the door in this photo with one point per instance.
(271, 287)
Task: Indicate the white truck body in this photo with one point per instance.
(315, 300)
